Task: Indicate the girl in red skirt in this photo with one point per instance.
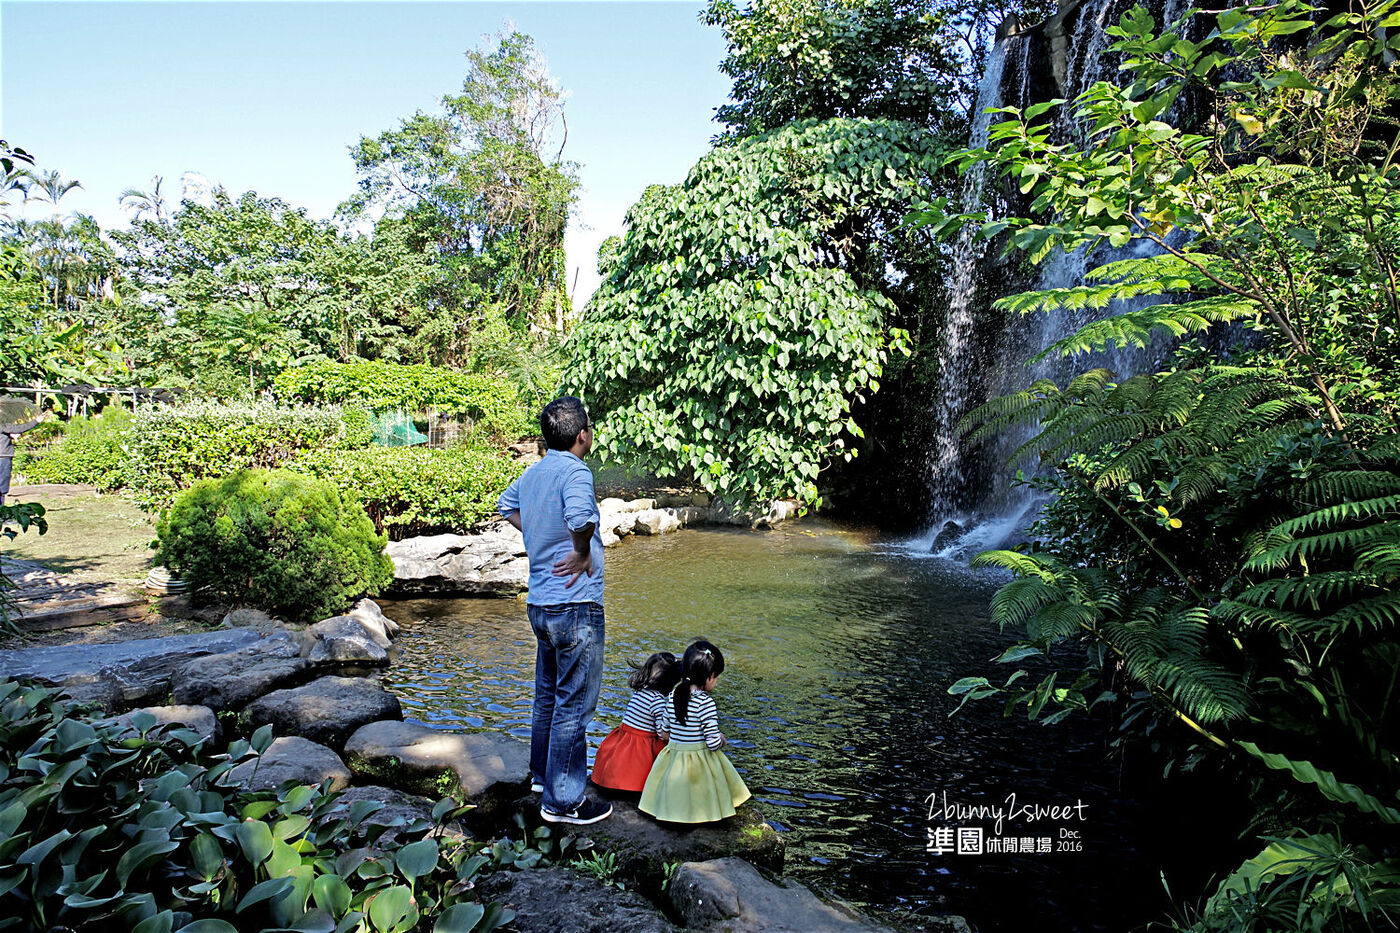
(624, 759)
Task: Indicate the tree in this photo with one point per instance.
(751, 308)
(912, 60)
(145, 203)
(485, 192)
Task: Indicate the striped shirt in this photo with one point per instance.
(701, 720)
(645, 711)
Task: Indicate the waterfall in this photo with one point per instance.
(973, 505)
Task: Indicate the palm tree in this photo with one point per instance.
(142, 203)
(49, 186)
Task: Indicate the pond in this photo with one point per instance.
(839, 650)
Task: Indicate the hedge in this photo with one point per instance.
(493, 403)
(412, 490)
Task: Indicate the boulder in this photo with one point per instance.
(555, 900)
(236, 678)
(490, 563)
(249, 618)
(346, 640)
(292, 758)
(120, 675)
(655, 522)
(198, 719)
(368, 612)
(485, 767)
(327, 710)
(947, 537)
(643, 846)
(614, 504)
(779, 510)
(399, 812)
(609, 537)
(729, 894)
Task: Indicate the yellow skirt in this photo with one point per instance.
(692, 783)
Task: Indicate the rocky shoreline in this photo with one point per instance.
(321, 692)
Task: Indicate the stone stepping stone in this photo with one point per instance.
(644, 846)
(198, 719)
(234, 679)
(729, 894)
(120, 675)
(292, 758)
(347, 640)
(551, 900)
(479, 766)
(327, 710)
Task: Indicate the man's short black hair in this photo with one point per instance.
(561, 421)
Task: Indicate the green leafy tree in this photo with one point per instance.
(751, 308)
(484, 194)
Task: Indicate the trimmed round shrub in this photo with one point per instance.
(282, 541)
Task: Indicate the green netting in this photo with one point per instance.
(396, 429)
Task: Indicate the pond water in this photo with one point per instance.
(839, 650)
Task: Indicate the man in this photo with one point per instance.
(554, 506)
(8, 434)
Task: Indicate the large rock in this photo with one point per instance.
(655, 522)
(644, 846)
(198, 719)
(490, 563)
(729, 894)
(484, 767)
(347, 640)
(291, 758)
(231, 680)
(120, 675)
(374, 619)
(400, 811)
(563, 900)
(327, 710)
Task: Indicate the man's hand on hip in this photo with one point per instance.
(573, 565)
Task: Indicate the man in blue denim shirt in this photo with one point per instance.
(554, 506)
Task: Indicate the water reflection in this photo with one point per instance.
(835, 700)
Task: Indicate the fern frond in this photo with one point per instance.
(1375, 614)
(1137, 328)
(1345, 485)
(1280, 554)
(1314, 591)
(1162, 267)
(1382, 507)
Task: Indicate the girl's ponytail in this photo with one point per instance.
(701, 662)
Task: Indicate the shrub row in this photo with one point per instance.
(410, 491)
(94, 457)
(494, 404)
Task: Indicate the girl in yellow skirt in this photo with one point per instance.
(624, 759)
(692, 781)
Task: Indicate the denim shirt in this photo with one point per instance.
(553, 497)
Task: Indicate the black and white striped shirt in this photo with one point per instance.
(701, 720)
(645, 711)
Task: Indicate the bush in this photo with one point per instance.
(279, 540)
(91, 451)
(414, 490)
(172, 448)
(106, 828)
(493, 403)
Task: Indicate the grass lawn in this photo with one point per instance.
(92, 537)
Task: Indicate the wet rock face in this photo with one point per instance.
(327, 710)
(644, 846)
(729, 894)
(437, 763)
(491, 563)
(562, 900)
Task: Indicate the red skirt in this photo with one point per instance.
(625, 757)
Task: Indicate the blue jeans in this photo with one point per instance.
(568, 674)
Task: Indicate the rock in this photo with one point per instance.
(644, 846)
(729, 894)
(345, 640)
(947, 537)
(779, 510)
(249, 618)
(233, 679)
(613, 504)
(368, 612)
(490, 563)
(292, 758)
(483, 766)
(691, 515)
(198, 719)
(564, 900)
(120, 675)
(609, 537)
(327, 710)
(527, 451)
(400, 811)
(655, 522)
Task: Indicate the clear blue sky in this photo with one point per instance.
(267, 96)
